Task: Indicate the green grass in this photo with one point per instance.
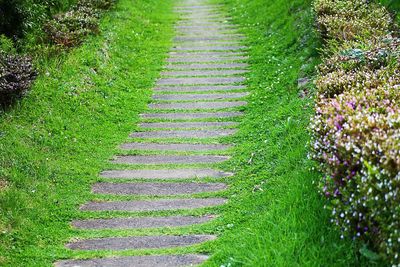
(276, 217)
(56, 140)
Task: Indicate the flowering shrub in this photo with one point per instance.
(69, 29)
(356, 129)
(347, 19)
(16, 76)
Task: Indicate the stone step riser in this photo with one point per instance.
(189, 97)
(156, 189)
(197, 105)
(154, 205)
(185, 125)
(174, 147)
(140, 222)
(184, 133)
(169, 159)
(191, 116)
(139, 242)
(165, 174)
(137, 261)
(195, 73)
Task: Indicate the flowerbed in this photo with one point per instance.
(356, 129)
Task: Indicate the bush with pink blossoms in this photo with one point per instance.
(356, 129)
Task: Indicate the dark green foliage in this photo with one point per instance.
(19, 17)
(16, 76)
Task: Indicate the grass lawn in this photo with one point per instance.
(55, 142)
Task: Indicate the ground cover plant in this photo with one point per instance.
(356, 129)
(55, 141)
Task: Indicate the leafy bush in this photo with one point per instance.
(69, 29)
(356, 129)
(18, 17)
(16, 76)
(349, 19)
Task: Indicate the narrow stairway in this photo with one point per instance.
(171, 163)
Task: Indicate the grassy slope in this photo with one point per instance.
(55, 142)
(276, 216)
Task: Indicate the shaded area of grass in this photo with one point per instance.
(276, 217)
(56, 141)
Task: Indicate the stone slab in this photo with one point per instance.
(170, 159)
(183, 125)
(189, 116)
(156, 189)
(154, 205)
(173, 147)
(182, 97)
(193, 59)
(194, 73)
(185, 133)
(205, 54)
(195, 80)
(209, 48)
(201, 88)
(165, 174)
(203, 66)
(139, 242)
(230, 37)
(205, 26)
(140, 222)
(137, 261)
(198, 105)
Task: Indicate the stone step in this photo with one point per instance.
(196, 80)
(140, 222)
(198, 105)
(170, 159)
(209, 48)
(156, 189)
(154, 205)
(206, 26)
(199, 88)
(204, 32)
(189, 116)
(184, 133)
(183, 125)
(173, 147)
(205, 54)
(185, 97)
(230, 37)
(202, 66)
(193, 59)
(139, 242)
(194, 73)
(137, 261)
(165, 174)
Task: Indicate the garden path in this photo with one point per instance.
(171, 163)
